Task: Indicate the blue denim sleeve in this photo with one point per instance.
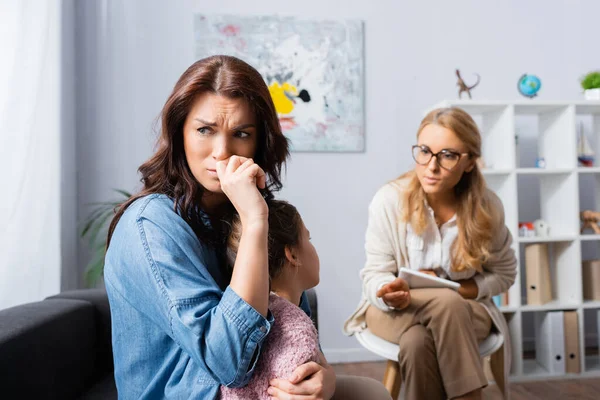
(219, 330)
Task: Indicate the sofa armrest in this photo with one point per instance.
(99, 300)
(47, 349)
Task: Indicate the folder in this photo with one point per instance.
(501, 300)
(504, 298)
(497, 300)
(571, 329)
(537, 266)
(591, 279)
(598, 320)
(550, 341)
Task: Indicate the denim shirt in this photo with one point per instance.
(176, 333)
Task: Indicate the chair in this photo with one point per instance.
(492, 345)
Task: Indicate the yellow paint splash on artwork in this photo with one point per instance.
(283, 104)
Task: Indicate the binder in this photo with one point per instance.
(550, 341)
(501, 300)
(537, 265)
(598, 320)
(497, 300)
(591, 279)
(571, 329)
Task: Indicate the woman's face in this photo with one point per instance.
(215, 129)
(434, 179)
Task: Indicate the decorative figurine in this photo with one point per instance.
(529, 85)
(585, 154)
(526, 229)
(463, 86)
(540, 162)
(590, 220)
(542, 229)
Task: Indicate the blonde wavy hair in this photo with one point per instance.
(475, 212)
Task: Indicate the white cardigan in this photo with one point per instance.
(385, 245)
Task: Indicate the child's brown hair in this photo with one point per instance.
(284, 231)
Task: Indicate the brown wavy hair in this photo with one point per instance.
(475, 212)
(167, 171)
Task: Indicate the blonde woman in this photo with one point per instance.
(439, 218)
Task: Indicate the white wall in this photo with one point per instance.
(132, 53)
(70, 271)
(31, 153)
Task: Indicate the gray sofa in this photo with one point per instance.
(60, 348)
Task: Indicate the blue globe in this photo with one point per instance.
(529, 85)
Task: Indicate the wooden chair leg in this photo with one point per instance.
(497, 367)
(392, 378)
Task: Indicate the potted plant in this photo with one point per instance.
(95, 230)
(591, 85)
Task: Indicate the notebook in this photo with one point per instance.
(418, 280)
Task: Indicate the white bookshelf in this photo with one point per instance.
(556, 193)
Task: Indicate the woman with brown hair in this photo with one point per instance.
(441, 219)
(183, 323)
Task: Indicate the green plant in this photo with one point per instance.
(95, 229)
(591, 81)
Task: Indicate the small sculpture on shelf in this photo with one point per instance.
(537, 228)
(529, 85)
(526, 229)
(542, 229)
(540, 162)
(463, 87)
(585, 154)
(590, 220)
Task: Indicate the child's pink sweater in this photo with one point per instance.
(291, 342)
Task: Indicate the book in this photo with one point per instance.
(501, 300)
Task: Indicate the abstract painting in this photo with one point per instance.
(314, 70)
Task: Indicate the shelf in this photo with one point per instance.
(591, 322)
(537, 107)
(549, 239)
(474, 106)
(514, 134)
(587, 107)
(588, 170)
(589, 237)
(543, 171)
(591, 107)
(591, 304)
(592, 363)
(532, 368)
(548, 377)
(554, 305)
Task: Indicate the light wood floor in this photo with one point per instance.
(572, 389)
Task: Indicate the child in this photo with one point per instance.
(293, 268)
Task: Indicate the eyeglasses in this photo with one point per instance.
(446, 159)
